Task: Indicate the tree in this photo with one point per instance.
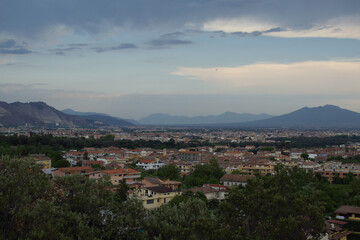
(304, 156)
(28, 205)
(122, 191)
(169, 171)
(188, 220)
(282, 206)
(208, 173)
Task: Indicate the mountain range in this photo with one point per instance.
(226, 117)
(39, 114)
(328, 116)
(102, 118)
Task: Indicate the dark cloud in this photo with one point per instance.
(15, 51)
(78, 45)
(8, 43)
(122, 46)
(26, 17)
(10, 47)
(69, 49)
(161, 43)
(257, 33)
(173, 35)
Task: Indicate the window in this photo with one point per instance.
(164, 200)
(151, 201)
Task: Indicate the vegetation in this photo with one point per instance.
(208, 173)
(291, 204)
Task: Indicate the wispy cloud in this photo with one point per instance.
(10, 47)
(163, 43)
(122, 46)
(327, 77)
(342, 27)
(78, 44)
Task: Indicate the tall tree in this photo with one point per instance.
(282, 206)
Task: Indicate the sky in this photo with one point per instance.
(132, 58)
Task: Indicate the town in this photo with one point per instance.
(165, 172)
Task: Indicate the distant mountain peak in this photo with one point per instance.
(327, 116)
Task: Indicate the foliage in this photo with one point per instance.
(122, 191)
(169, 171)
(190, 219)
(72, 207)
(282, 206)
(208, 173)
(304, 156)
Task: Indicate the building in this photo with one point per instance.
(155, 197)
(148, 164)
(229, 180)
(60, 172)
(185, 168)
(189, 156)
(250, 168)
(44, 161)
(348, 212)
(117, 175)
(154, 182)
(210, 192)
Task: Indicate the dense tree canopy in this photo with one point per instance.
(282, 206)
(291, 204)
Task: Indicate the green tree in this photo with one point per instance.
(169, 171)
(122, 191)
(304, 156)
(188, 220)
(281, 206)
(28, 205)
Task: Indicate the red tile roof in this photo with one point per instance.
(121, 171)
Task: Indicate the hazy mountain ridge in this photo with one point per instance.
(36, 114)
(328, 116)
(101, 118)
(226, 117)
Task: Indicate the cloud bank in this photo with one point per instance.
(327, 77)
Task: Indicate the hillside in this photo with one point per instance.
(36, 114)
(328, 116)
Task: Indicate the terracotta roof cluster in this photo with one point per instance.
(153, 180)
(120, 171)
(74, 169)
(348, 209)
(160, 189)
(234, 178)
(340, 235)
(146, 161)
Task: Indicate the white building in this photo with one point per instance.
(148, 164)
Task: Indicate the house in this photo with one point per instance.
(148, 164)
(44, 161)
(93, 163)
(348, 212)
(60, 172)
(153, 182)
(233, 179)
(95, 175)
(189, 155)
(210, 192)
(340, 235)
(154, 197)
(185, 168)
(117, 175)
